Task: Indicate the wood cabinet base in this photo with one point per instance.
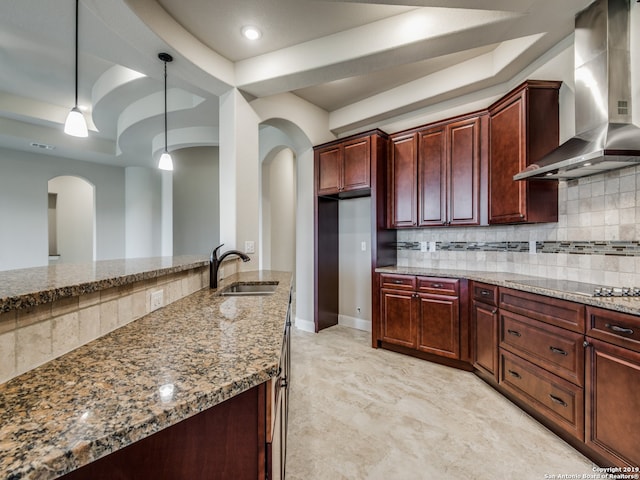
(450, 362)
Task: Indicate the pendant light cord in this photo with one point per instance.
(165, 106)
(77, 53)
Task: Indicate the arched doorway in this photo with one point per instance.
(278, 205)
(71, 217)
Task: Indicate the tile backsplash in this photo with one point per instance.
(33, 336)
(596, 238)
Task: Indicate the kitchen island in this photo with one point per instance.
(148, 375)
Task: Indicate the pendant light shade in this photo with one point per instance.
(76, 125)
(166, 162)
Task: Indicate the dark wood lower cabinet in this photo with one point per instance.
(484, 318)
(424, 317)
(613, 403)
(399, 317)
(439, 325)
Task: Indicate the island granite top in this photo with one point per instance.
(28, 287)
(152, 373)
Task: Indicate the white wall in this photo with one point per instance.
(75, 223)
(23, 206)
(143, 212)
(196, 200)
(279, 211)
(354, 226)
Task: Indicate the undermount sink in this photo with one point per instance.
(250, 288)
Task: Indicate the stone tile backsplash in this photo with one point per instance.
(596, 239)
(31, 337)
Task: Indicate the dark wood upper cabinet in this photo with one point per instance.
(435, 174)
(523, 127)
(432, 176)
(344, 167)
(401, 201)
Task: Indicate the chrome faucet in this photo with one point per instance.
(215, 261)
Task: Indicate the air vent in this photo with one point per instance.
(623, 107)
(42, 146)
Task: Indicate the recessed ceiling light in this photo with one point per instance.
(250, 32)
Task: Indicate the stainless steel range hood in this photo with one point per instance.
(606, 139)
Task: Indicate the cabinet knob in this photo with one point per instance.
(586, 344)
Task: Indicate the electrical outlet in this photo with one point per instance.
(157, 299)
(432, 246)
(423, 246)
(363, 246)
(249, 246)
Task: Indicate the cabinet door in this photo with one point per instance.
(328, 170)
(402, 198)
(485, 337)
(464, 172)
(507, 203)
(613, 403)
(439, 325)
(398, 317)
(432, 183)
(356, 165)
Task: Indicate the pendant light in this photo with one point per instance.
(166, 163)
(76, 125)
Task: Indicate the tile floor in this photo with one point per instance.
(363, 413)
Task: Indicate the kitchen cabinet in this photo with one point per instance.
(278, 409)
(347, 168)
(523, 127)
(484, 328)
(422, 314)
(435, 174)
(542, 363)
(344, 167)
(613, 387)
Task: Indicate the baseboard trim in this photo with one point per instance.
(353, 322)
(304, 325)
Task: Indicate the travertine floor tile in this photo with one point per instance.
(363, 413)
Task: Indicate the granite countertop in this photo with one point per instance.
(143, 377)
(29, 287)
(564, 289)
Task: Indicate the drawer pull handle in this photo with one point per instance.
(514, 333)
(558, 400)
(514, 374)
(559, 351)
(398, 282)
(618, 329)
(485, 293)
(437, 285)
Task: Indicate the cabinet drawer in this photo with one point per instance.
(614, 327)
(555, 349)
(398, 282)
(560, 313)
(485, 293)
(439, 286)
(559, 401)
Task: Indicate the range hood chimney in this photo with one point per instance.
(606, 139)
